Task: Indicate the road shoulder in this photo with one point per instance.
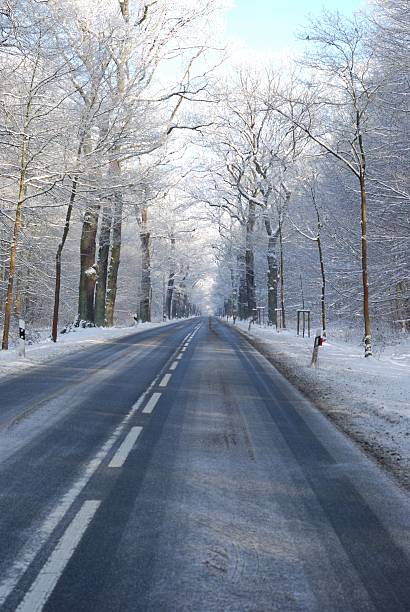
(381, 430)
(47, 351)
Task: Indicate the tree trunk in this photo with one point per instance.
(145, 237)
(249, 262)
(242, 297)
(13, 249)
(323, 288)
(365, 252)
(88, 272)
(322, 263)
(171, 281)
(103, 257)
(365, 271)
(273, 273)
(282, 276)
(57, 287)
(234, 298)
(364, 243)
(114, 260)
(170, 294)
(108, 280)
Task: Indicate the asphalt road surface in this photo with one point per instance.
(176, 470)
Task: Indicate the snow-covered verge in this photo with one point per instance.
(369, 399)
(75, 340)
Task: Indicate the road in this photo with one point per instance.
(177, 470)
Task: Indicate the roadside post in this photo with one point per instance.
(21, 345)
(305, 316)
(253, 318)
(318, 342)
(279, 319)
(261, 315)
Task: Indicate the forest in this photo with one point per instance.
(148, 173)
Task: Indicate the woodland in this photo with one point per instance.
(149, 173)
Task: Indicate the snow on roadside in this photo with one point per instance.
(75, 340)
(369, 399)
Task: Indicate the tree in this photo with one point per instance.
(316, 236)
(334, 112)
(36, 73)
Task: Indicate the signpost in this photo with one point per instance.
(305, 316)
(318, 342)
(21, 344)
(279, 318)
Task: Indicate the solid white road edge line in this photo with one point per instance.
(152, 403)
(41, 589)
(122, 453)
(165, 380)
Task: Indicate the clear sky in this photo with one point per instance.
(271, 24)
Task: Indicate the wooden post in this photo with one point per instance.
(305, 318)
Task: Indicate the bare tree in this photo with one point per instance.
(333, 110)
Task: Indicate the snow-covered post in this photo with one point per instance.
(21, 344)
(318, 342)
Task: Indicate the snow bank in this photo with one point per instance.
(369, 399)
(75, 340)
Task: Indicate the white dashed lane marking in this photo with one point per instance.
(165, 380)
(173, 366)
(122, 453)
(152, 403)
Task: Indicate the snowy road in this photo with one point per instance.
(176, 470)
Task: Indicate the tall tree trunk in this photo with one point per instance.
(17, 298)
(282, 275)
(365, 271)
(145, 237)
(103, 257)
(3, 277)
(171, 281)
(323, 288)
(170, 294)
(321, 262)
(273, 273)
(250, 261)
(242, 297)
(57, 287)
(365, 265)
(88, 269)
(110, 287)
(365, 251)
(234, 290)
(16, 235)
(114, 260)
(104, 238)
(88, 266)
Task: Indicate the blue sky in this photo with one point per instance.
(271, 24)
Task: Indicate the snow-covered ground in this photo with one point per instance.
(368, 398)
(75, 340)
